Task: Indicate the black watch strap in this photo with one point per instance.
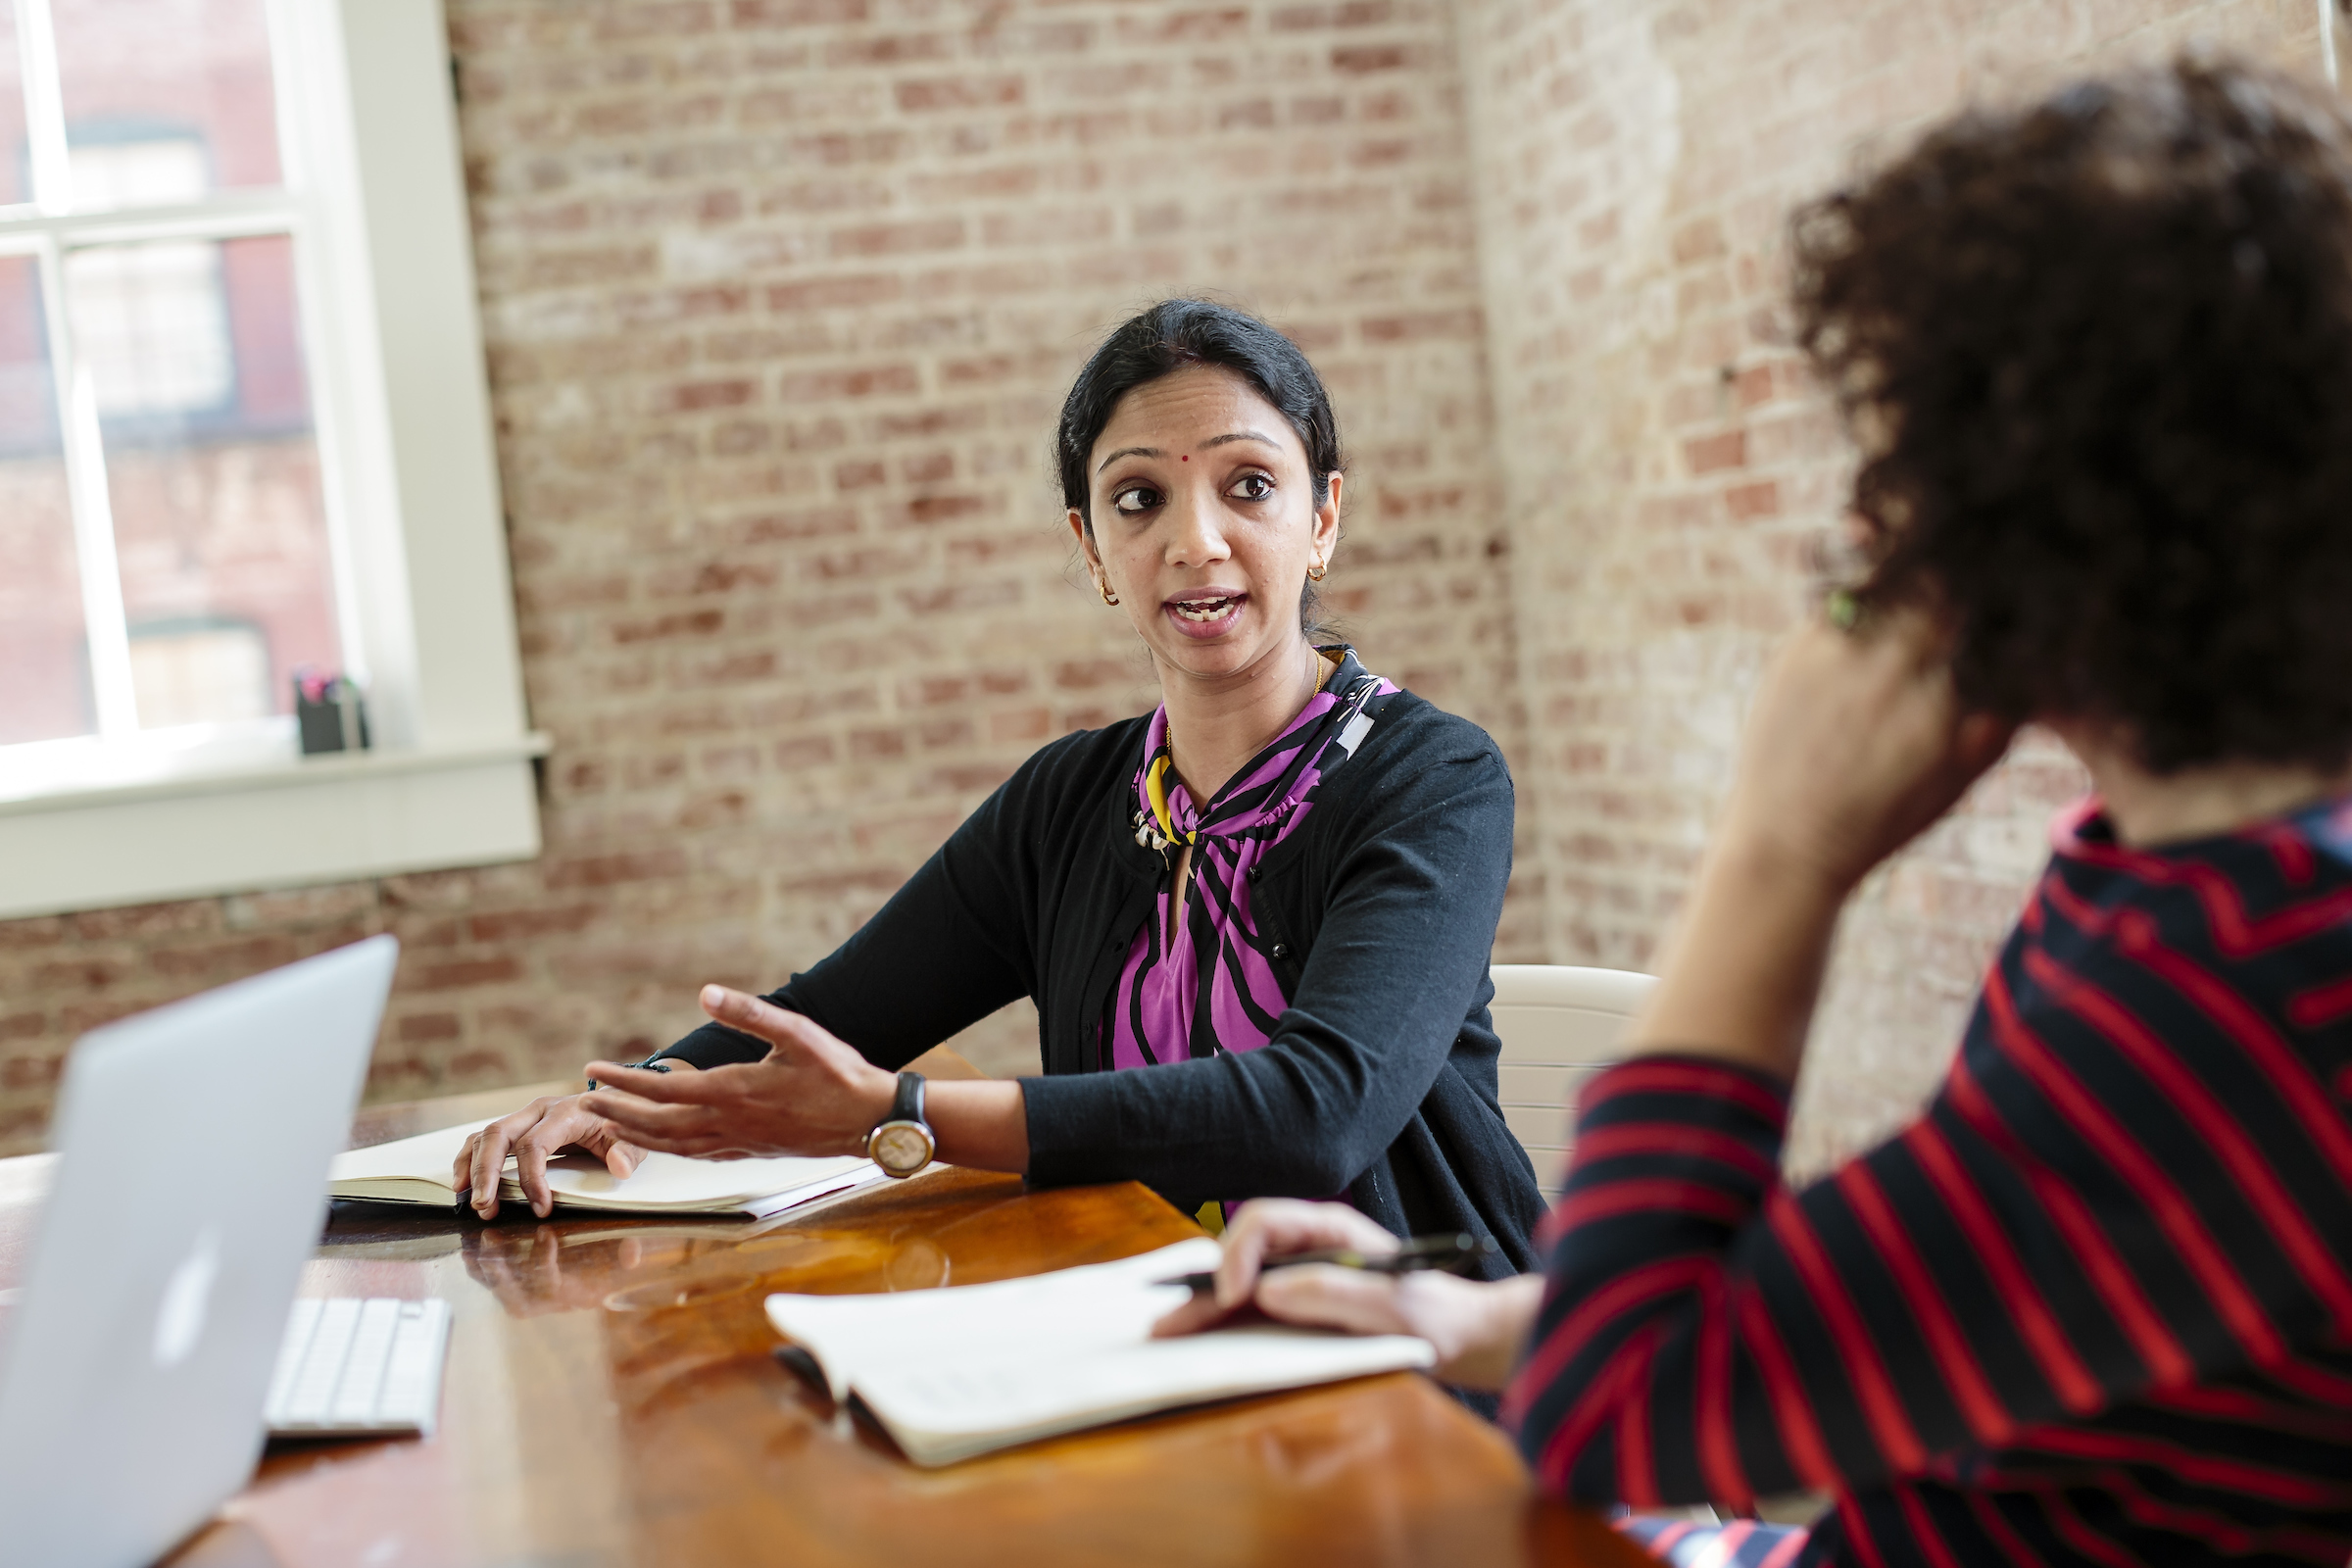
(909, 1105)
(649, 1064)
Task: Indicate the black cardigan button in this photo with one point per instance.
(1282, 950)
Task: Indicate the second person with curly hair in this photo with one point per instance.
(2094, 1305)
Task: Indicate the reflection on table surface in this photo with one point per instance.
(613, 1398)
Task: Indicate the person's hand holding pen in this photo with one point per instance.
(1476, 1328)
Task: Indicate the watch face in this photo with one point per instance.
(902, 1148)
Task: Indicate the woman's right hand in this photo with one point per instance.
(1477, 1328)
(534, 1135)
(1856, 743)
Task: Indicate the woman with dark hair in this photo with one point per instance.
(1276, 895)
(2095, 1305)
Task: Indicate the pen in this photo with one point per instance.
(1457, 1254)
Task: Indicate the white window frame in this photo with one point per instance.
(375, 197)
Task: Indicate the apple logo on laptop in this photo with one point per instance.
(180, 1324)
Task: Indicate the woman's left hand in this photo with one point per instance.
(813, 1094)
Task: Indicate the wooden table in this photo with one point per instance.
(612, 1399)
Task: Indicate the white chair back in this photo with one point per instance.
(1558, 1026)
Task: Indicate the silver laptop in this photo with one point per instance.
(195, 1141)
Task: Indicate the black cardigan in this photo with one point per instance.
(1379, 1080)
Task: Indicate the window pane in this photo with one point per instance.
(164, 99)
(195, 356)
(15, 157)
(151, 322)
(44, 659)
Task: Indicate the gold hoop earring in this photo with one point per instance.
(1314, 573)
(1109, 597)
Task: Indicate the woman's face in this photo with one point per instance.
(1206, 522)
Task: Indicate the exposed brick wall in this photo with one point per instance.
(781, 298)
(1668, 470)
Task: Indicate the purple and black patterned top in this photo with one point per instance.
(1210, 986)
(1376, 905)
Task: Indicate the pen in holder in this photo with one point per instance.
(331, 713)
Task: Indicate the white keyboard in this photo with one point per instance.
(350, 1367)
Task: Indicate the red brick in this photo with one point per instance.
(694, 396)
(960, 92)
(19, 1073)
(825, 386)
(1320, 18)
(146, 922)
(1364, 58)
(777, 526)
(850, 290)
(1700, 240)
(1753, 385)
(216, 962)
(606, 871)
(899, 240)
(1184, 27)
(796, 13)
(458, 974)
(1749, 502)
(889, 49)
(1423, 326)
(942, 508)
(1727, 449)
(804, 751)
(523, 925)
(45, 931)
(684, 623)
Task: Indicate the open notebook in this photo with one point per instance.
(960, 1371)
(416, 1171)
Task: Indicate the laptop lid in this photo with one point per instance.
(195, 1142)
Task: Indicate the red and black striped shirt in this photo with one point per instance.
(2093, 1306)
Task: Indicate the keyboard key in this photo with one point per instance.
(303, 1323)
(323, 1363)
(352, 1367)
(363, 1364)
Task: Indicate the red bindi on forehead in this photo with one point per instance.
(1187, 458)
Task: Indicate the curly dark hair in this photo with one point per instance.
(2099, 354)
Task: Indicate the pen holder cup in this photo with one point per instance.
(330, 715)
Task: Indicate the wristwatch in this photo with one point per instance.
(649, 1064)
(902, 1143)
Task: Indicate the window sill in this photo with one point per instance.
(289, 823)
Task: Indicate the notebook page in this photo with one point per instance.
(673, 1182)
(1069, 1312)
(663, 1183)
(944, 1411)
(424, 1159)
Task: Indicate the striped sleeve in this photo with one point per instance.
(2031, 1253)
